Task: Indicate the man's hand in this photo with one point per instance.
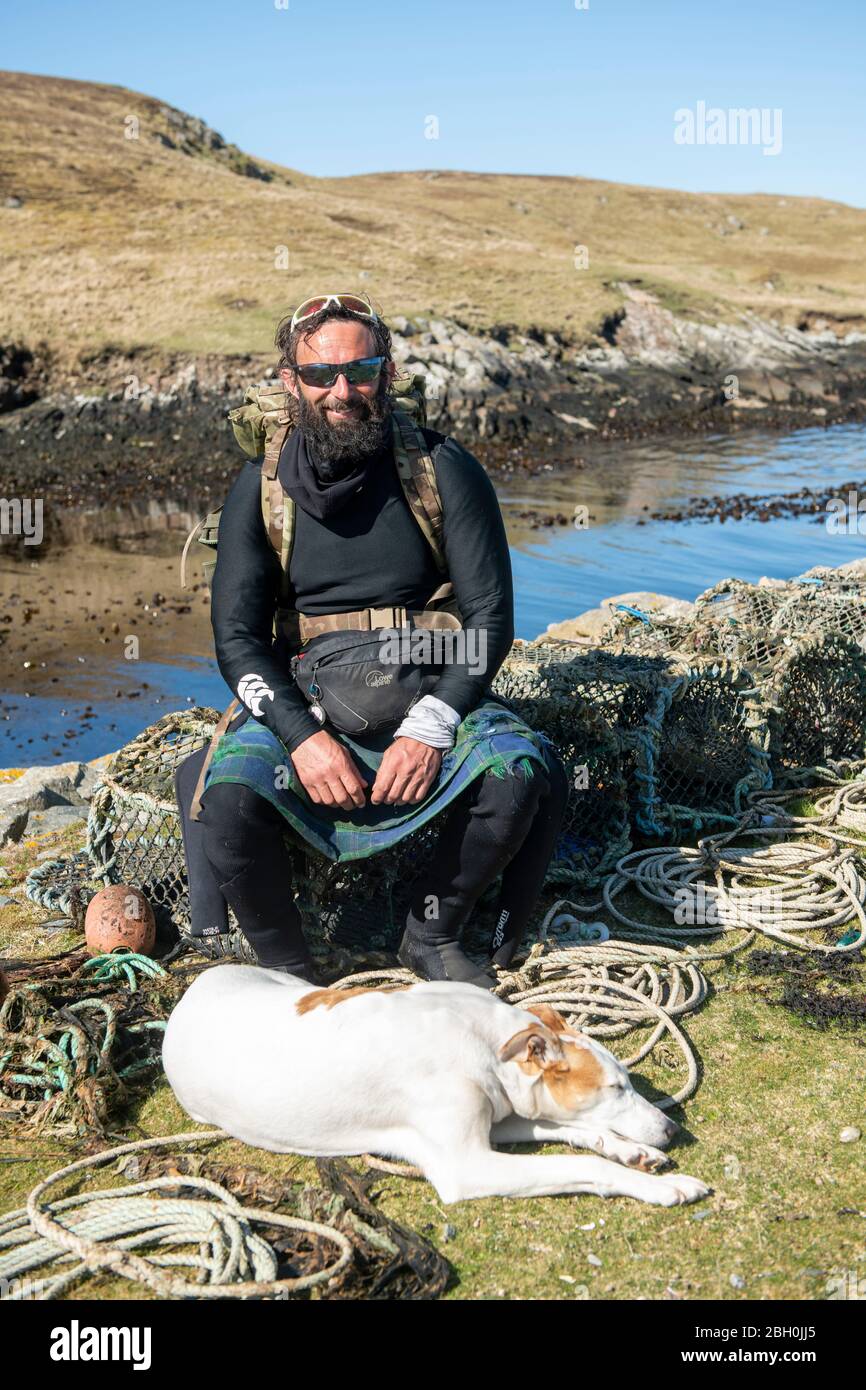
(406, 772)
(328, 773)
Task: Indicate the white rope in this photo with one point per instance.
(101, 1230)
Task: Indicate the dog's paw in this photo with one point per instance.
(641, 1156)
(681, 1189)
(647, 1159)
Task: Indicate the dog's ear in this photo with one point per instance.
(533, 1044)
(549, 1017)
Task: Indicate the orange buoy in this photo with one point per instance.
(119, 916)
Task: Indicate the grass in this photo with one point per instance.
(173, 251)
(789, 1202)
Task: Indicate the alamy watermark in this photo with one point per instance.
(844, 1283)
(22, 516)
(846, 516)
(421, 646)
(738, 125)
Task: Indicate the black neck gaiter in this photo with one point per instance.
(313, 494)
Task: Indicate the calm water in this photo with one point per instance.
(562, 573)
(80, 698)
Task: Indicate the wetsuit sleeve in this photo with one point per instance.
(479, 566)
(243, 602)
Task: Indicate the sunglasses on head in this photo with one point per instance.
(353, 302)
(323, 374)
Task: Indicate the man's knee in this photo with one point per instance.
(237, 823)
(532, 783)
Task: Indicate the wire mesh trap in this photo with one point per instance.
(133, 829)
(643, 634)
(823, 608)
(553, 687)
(712, 747)
(553, 692)
(816, 697)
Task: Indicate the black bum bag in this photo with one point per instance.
(345, 680)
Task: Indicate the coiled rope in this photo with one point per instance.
(779, 890)
(103, 1230)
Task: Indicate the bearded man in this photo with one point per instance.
(457, 751)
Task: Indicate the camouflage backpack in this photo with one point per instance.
(260, 427)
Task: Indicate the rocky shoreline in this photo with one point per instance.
(95, 430)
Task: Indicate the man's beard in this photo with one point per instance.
(335, 450)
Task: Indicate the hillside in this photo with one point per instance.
(170, 240)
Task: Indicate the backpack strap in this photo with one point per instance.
(278, 509)
(418, 479)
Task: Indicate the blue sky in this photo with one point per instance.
(340, 87)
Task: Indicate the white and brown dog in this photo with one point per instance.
(434, 1074)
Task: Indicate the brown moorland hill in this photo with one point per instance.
(126, 222)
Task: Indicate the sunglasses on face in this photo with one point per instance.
(353, 302)
(322, 374)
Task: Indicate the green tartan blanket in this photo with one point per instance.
(491, 737)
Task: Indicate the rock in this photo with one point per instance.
(13, 201)
(51, 819)
(12, 823)
(590, 624)
(575, 420)
(41, 787)
(68, 785)
(778, 389)
(6, 901)
(850, 1134)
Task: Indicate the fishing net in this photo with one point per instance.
(584, 704)
(816, 697)
(824, 608)
(133, 829)
(642, 634)
(842, 578)
(735, 601)
(711, 749)
(692, 738)
(72, 1047)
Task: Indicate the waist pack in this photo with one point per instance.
(347, 683)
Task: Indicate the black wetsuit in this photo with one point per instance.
(371, 554)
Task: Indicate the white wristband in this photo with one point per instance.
(431, 721)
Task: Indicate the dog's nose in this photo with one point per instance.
(671, 1129)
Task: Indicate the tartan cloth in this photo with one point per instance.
(491, 737)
